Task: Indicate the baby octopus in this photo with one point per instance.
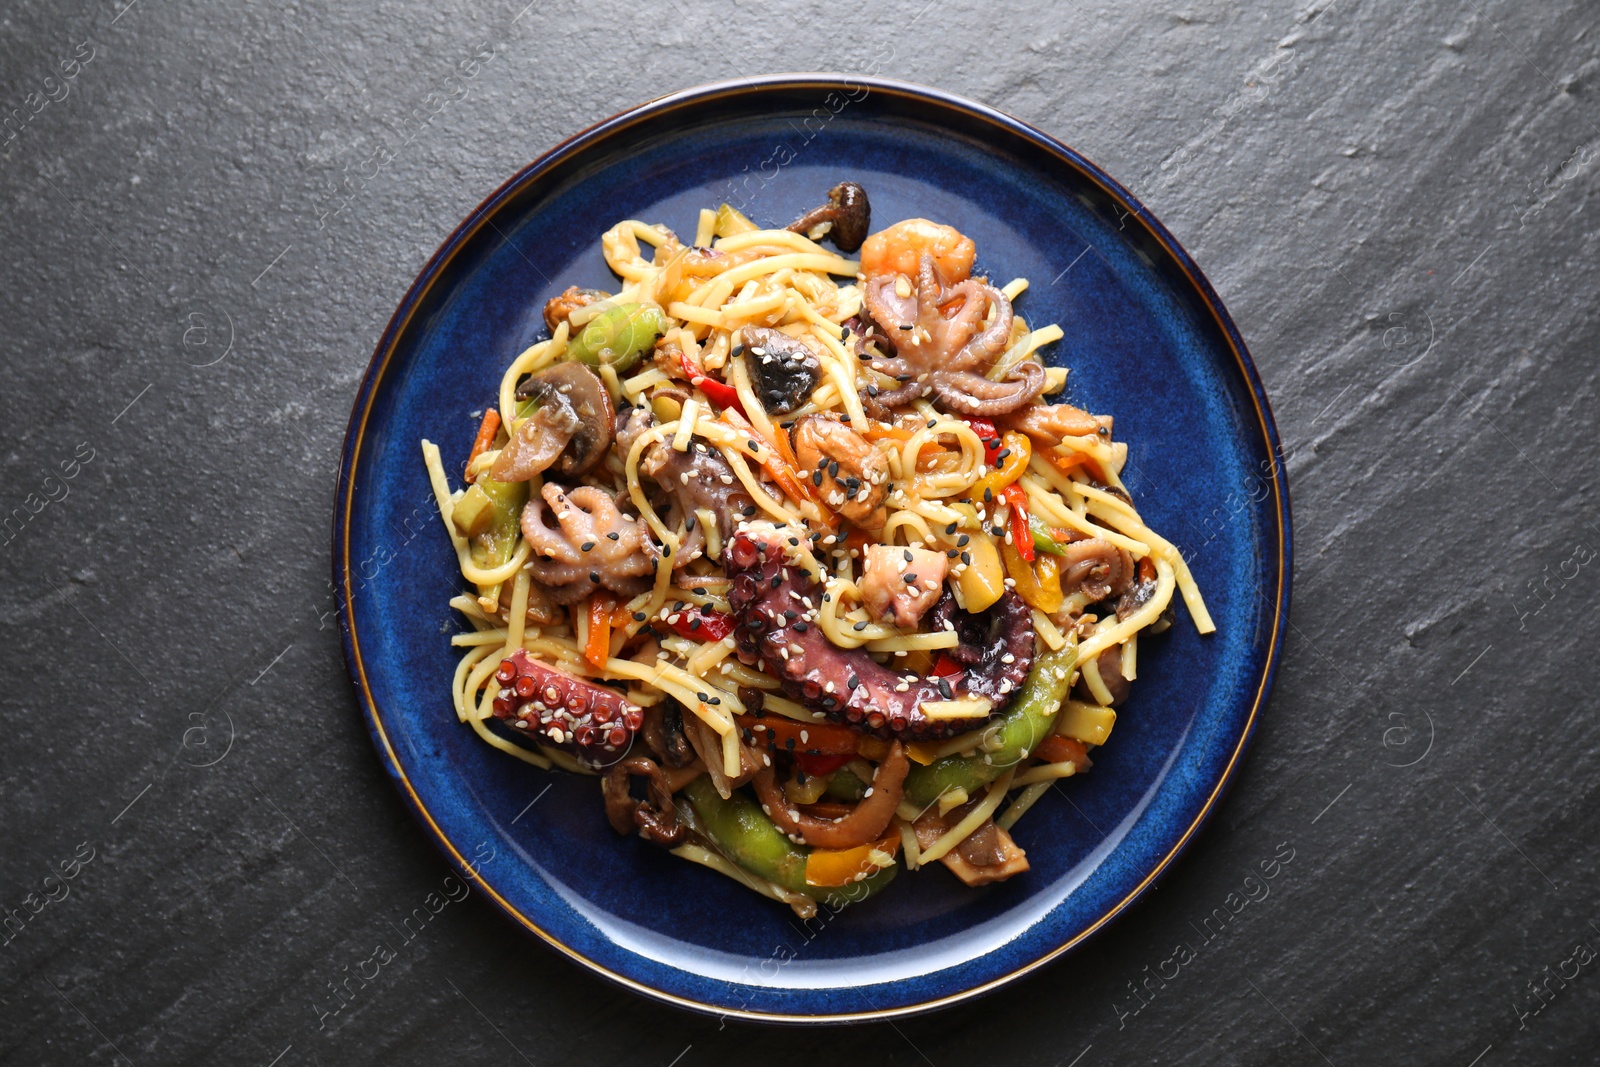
(948, 357)
(595, 547)
(773, 604)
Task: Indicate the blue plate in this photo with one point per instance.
(1148, 342)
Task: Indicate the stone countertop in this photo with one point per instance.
(1388, 197)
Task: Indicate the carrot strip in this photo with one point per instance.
(486, 431)
(598, 648)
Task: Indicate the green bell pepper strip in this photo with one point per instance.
(1006, 741)
(741, 831)
(618, 336)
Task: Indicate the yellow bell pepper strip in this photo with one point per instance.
(836, 867)
(1021, 533)
(1012, 459)
(1039, 585)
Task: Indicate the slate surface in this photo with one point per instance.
(1390, 198)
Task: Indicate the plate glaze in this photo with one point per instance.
(1147, 341)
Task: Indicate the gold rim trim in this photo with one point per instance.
(461, 237)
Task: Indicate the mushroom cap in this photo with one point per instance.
(580, 389)
(853, 217)
(847, 216)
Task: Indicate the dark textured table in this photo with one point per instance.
(198, 839)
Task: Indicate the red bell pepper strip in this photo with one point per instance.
(701, 624)
(724, 396)
(1021, 533)
(987, 434)
(819, 765)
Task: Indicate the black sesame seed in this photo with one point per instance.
(833, 469)
(1004, 452)
(909, 557)
(613, 535)
(961, 542)
(788, 743)
(777, 580)
(853, 682)
(998, 531)
(944, 689)
(694, 623)
(816, 476)
(950, 529)
(859, 627)
(910, 578)
(800, 627)
(966, 557)
(872, 390)
(903, 326)
(594, 576)
(587, 545)
(988, 495)
(639, 616)
(790, 614)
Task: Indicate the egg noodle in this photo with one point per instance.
(1008, 511)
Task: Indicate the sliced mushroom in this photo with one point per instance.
(847, 216)
(783, 369)
(663, 732)
(536, 443)
(988, 854)
(570, 430)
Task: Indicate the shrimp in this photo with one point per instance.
(899, 250)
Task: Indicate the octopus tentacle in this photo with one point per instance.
(973, 394)
(847, 685)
